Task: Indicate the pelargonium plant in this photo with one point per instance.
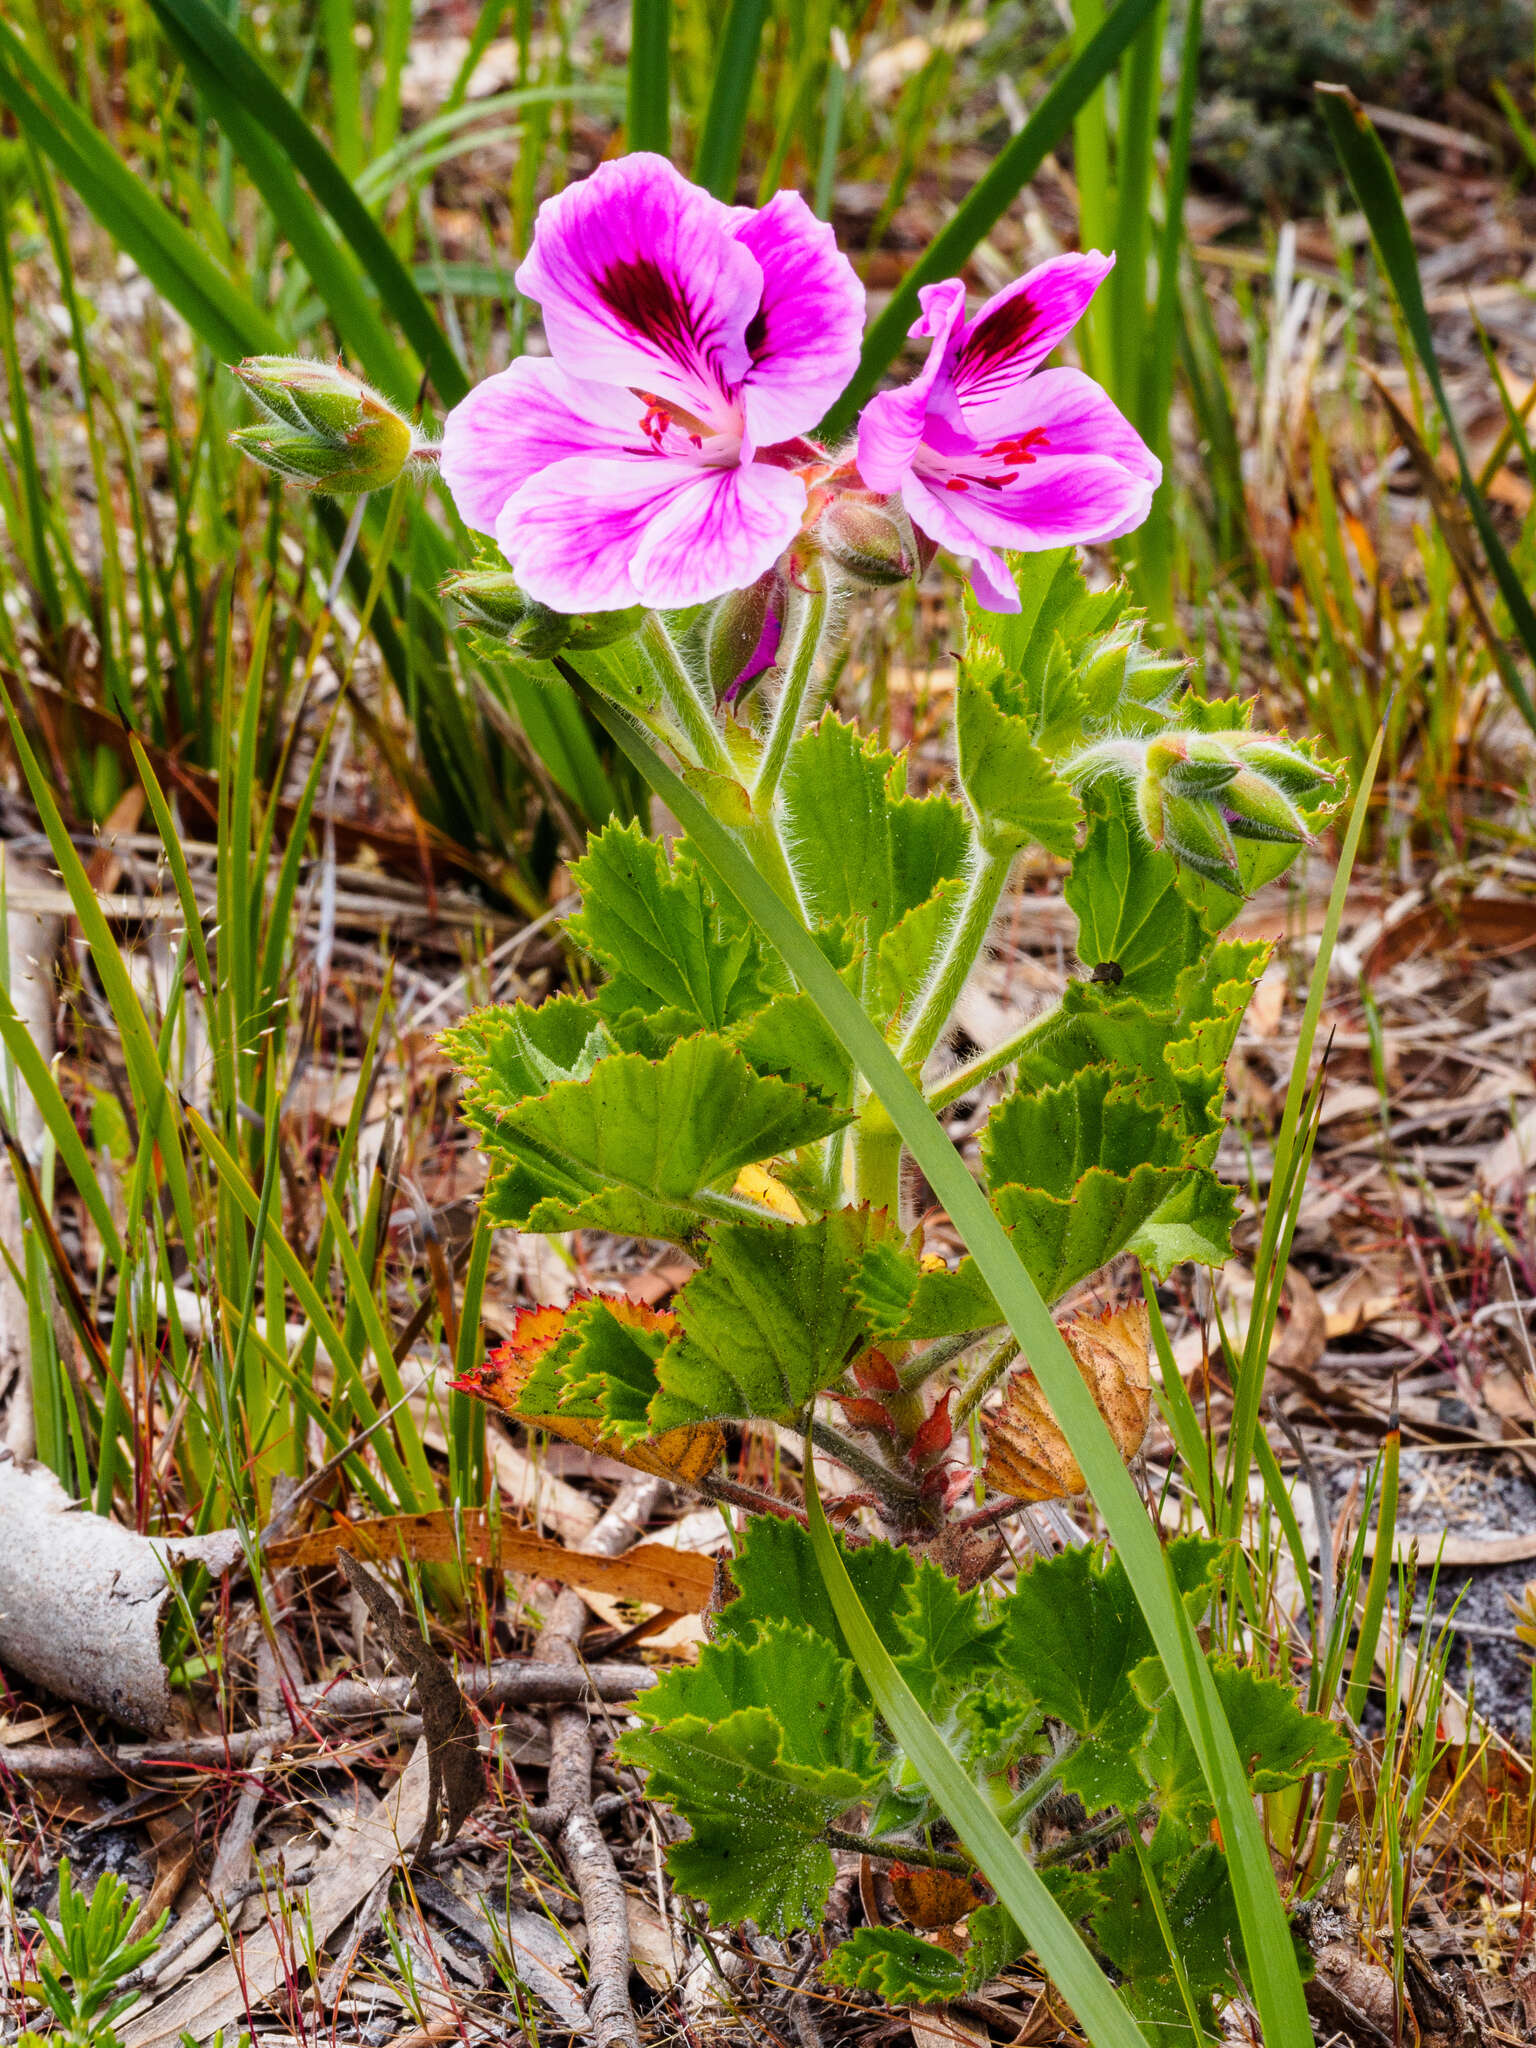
(677, 544)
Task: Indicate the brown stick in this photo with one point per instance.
(506, 1683)
(587, 1855)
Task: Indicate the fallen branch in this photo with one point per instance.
(509, 1683)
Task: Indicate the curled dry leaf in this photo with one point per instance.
(1027, 1455)
(685, 1454)
(934, 1898)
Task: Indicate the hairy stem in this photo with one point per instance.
(985, 1379)
(965, 939)
(917, 1370)
(811, 617)
(890, 1850)
(894, 1488)
(695, 722)
(961, 1080)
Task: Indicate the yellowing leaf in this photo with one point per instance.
(1027, 1455)
(758, 1185)
(687, 1453)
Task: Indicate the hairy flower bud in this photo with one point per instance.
(1197, 834)
(869, 538)
(325, 428)
(492, 601)
(1255, 809)
(1195, 763)
(1283, 766)
(741, 637)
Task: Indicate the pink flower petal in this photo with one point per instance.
(805, 335)
(1060, 412)
(935, 513)
(642, 282)
(1058, 501)
(519, 422)
(1015, 331)
(891, 424)
(719, 533)
(571, 532)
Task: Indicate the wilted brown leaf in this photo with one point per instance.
(934, 1898)
(685, 1454)
(1027, 1456)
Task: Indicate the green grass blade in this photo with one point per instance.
(1250, 1389)
(1063, 1953)
(214, 307)
(647, 120)
(1276, 1982)
(216, 52)
(36, 1076)
(1370, 172)
(987, 202)
(718, 162)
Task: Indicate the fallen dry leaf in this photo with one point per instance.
(653, 1573)
(1027, 1456)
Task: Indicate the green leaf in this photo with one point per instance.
(1202, 1916)
(768, 1321)
(790, 1038)
(1279, 1741)
(953, 1647)
(759, 1747)
(662, 936)
(509, 1053)
(1129, 907)
(909, 949)
(638, 1146)
(777, 1581)
(899, 1967)
(1010, 780)
(1051, 1139)
(905, 1304)
(1073, 1634)
(859, 847)
(601, 1368)
(903, 1969)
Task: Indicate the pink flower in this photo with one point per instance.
(990, 451)
(651, 457)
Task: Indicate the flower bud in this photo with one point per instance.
(1255, 809)
(741, 637)
(493, 602)
(1195, 763)
(869, 538)
(1196, 834)
(325, 428)
(1285, 767)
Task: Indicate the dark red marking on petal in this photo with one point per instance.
(997, 338)
(651, 301)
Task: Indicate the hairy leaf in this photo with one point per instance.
(1073, 1634)
(907, 1302)
(860, 848)
(1010, 780)
(759, 1747)
(509, 1053)
(768, 1321)
(663, 937)
(903, 1969)
(1130, 910)
(776, 1580)
(1202, 1917)
(639, 1145)
(789, 1039)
